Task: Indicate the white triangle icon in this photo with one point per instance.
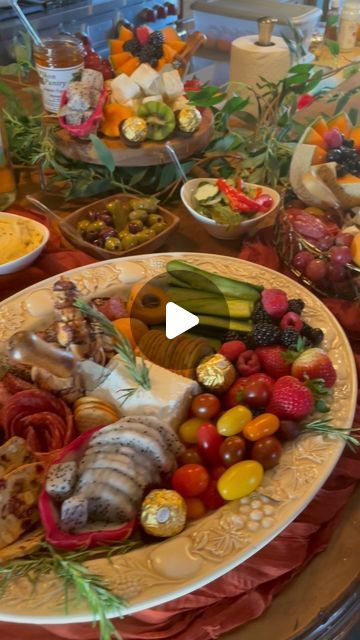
(178, 320)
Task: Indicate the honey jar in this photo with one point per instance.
(58, 61)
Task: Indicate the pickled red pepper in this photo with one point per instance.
(238, 200)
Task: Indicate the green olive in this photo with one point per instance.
(83, 225)
(154, 218)
(135, 226)
(158, 227)
(113, 244)
(148, 234)
(149, 204)
(124, 232)
(97, 225)
(138, 214)
(129, 242)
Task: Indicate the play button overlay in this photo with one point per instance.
(178, 320)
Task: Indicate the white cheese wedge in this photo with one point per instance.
(173, 85)
(168, 399)
(158, 98)
(148, 79)
(124, 88)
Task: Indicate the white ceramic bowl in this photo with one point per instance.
(224, 231)
(25, 260)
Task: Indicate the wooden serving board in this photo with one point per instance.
(148, 154)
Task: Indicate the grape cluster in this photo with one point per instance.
(346, 157)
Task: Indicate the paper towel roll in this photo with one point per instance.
(249, 61)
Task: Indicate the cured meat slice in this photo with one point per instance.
(45, 422)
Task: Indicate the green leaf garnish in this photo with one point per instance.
(324, 426)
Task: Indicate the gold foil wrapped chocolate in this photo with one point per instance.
(216, 373)
(134, 129)
(163, 513)
(189, 119)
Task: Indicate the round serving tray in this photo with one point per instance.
(210, 547)
(148, 154)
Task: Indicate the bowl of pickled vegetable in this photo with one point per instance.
(120, 225)
(228, 208)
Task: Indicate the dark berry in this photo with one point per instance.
(265, 334)
(296, 305)
(314, 335)
(156, 38)
(259, 314)
(229, 336)
(348, 143)
(341, 171)
(132, 46)
(289, 338)
(334, 155)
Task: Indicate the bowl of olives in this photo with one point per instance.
(120, 225)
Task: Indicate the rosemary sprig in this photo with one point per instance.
(323, 425)
(138, 370)
(77, 579)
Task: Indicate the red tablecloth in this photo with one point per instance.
(244, 593)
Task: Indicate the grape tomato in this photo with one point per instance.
(232, 450)
(190, 456)
(187, 431)
(233, 420)
(267, 451)
(240, 479)
(195, 508)
(190, 480)
(205, 406)
(209, 442)
(211, 497)
(256, 394)
(264, 425)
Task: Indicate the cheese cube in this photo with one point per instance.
(173, 85)
(124, 88)
(148, 79)
(168, 399)
(133, 104)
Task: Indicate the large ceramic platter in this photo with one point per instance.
(207, 549)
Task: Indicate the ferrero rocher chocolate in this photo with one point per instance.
(216, 373)
(163, 513)
(188, 119)
(134, 130)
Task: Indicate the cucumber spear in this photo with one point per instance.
(203, 302)
(206, 281)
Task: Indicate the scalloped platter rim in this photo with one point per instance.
(207, 549)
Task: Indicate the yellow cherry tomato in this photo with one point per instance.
(234, 420)
(264, 425)
(187, 431)
(240, 479)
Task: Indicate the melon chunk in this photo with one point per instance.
(355, 136)
(312, 137)
(342, 122)
(319, 125)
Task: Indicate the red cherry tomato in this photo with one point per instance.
(195, 508)
(206, 406)
(216, 472)
(267, 451)
(256, 394)
(190, 456)
(232, 450)
(190, 480)
(211, 497)
(209, 442)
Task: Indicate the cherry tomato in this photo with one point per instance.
(232, 450)
(195, 508)
(216, 472)
(264, 425)
(256, 394)
(288, 430)
(190, 456)
(211, 497)
(205, 406)
(187, 431)
(209, 442)
(234, 420)
(240, 479)
(267, 451)
(190, 480)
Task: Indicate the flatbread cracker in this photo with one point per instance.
(13, 454)
(27, 544)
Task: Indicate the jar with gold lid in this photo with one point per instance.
(58, 60)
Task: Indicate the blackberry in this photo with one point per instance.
(289, 338)
(156, 38)
(229, 336)
(153, 62)
(265, 334)
(296, 305)
(132, 46)
(348, 143)
(259, 314)
(314, 335)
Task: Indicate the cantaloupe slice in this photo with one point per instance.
(355, 135)
(119, 59)
(177, 45)
(130, 66)
(115, 46)
(168, 53)
(314, 138)
(319, 125)
(348, 179)
(342, 122)
(160, 64)
(169, 34)
(319, 156)
(125, 34)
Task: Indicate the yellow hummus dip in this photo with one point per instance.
(17, 239)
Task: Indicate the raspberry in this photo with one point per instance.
(296, 305)
(291, 320)
(264, 334)
(231, 350)
(275, 302)
(248, 363)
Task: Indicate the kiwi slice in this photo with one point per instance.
(160, 119)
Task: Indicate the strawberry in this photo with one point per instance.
(314, 363)
(275, 302)
(291, 399)
(233, 395)
(232, 349)
(273, 362)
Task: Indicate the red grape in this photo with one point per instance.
(324, 243)
(301, 260)
(316, 269)
(340, 255)
(344, 239)
(336, 272)
(267, 451)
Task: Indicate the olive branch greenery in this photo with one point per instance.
(80, 584)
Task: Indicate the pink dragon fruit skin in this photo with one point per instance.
(49, 513)
(333, 138)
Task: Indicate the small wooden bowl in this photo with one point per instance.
(150, 246)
